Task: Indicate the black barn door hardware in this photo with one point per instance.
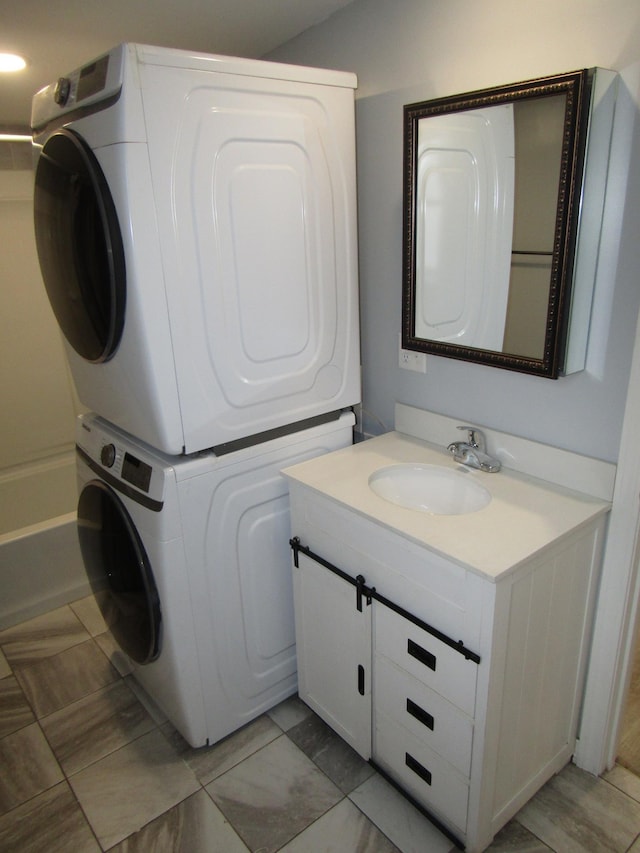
(370, 594)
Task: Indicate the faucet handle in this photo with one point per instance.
(475, 437)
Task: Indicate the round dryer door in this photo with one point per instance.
(114, 556)
(79, 246)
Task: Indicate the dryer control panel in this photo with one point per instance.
(97, 82)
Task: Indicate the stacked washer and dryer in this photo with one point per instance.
(196, 229)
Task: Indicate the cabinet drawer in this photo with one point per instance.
(421, 772)
(429, 717)
(428, 659)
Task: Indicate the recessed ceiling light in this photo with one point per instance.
(15, 137)
(11, 62)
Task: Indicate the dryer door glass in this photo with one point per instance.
(80, 246)
(114, 556)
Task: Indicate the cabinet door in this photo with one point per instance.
(333, 641)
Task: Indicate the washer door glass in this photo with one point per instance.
(114, 556)
(80, 246)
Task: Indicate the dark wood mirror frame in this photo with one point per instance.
(577, 88)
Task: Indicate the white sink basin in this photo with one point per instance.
(429, 488)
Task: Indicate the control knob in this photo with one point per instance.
(108, 455)
(62, 90)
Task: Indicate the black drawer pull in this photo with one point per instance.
(417, 768)
(360, 679)
(421, 654)
(420, 714)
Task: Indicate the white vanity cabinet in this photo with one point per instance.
(463, 688)
(333, 641)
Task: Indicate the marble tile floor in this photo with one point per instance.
(88, 763)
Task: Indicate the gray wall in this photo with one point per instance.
(410, 50)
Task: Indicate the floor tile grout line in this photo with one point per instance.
(66, 777)
(537, 837)
(122, 746)
(344, 796)
(200, 785)
(621, 790)
(84, 815)
(632, 845)
(66, 607)
(319, 817)
(156, 726)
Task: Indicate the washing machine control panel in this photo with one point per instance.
(136, 472)
(118, 459)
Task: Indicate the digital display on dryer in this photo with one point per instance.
(136, 472)
(92, 78)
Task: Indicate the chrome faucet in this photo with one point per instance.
(473, 453)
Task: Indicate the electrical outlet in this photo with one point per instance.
(410, 360)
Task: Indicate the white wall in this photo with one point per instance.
(37, 464)
(412, 50)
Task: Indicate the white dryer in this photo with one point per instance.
(194, 555)
(195, 221)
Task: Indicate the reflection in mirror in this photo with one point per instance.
(492, 187)
(539, 126)
(464, 220)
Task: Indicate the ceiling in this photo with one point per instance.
(56, 36)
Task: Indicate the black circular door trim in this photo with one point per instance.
(114, 557)
(80, 246)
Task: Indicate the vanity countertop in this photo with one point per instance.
(524, 516)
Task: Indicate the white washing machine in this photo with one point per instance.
(196, 227)
(194, 555)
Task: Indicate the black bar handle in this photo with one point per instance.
(417, 768)
(420, 714)
(297, 547)
(425, 657)
(360, 679)
(371, 594)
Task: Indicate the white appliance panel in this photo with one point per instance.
(244, 549)
(253, 191)
(234, 186)
(217, 540)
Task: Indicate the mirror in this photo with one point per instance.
(492, 183)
